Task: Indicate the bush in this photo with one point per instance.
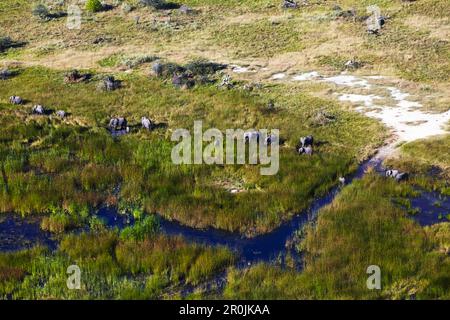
(133, 62)
(94, 5)
(145, 228)
(41, 11)
(159, 4)
(202, 67)
(5, 74)
(5, 43)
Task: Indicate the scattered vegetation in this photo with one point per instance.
(94, 6)
(49, 162)
(429, 162)
(111, 268)
(360, 228)
(5, 43)
(145, 228)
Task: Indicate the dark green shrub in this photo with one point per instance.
(159, 4)
(94, 5)
(5, 43)
(203, 67)
(41, 11)
(142, 229)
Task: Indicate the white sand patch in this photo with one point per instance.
(396, 94)
(404, 116)
(410, 125)
(278, 76)
(366, 99)
(306, 76)
(348, 81)
(239, 69)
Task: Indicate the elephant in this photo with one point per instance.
(118, 123)
(61, 114)
(290, 4)
(157, 68)
(38, 109)
(401, 176)
(185, 9)
(15, 100)
(306, 141)
(109, 84)
(146, 123)
(392, 173)
(397, 175)
(251, 135)
(271, 138)
(308, 150)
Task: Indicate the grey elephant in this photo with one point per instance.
(15, 100)
(251, 135)
(157, 68)
(146, 123)
(305, 150)
(271, 138)
(61, 114)
(397, 175)
(118, 123)
(38, 109)
(307, 141)
(289, 4)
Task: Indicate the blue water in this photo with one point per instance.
(433, 206)
(15, 233)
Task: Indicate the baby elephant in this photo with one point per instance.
(146, 123)
(305, 150)
(38, 109)
(61, 114)
(397, 175)
(307, 141)
(15, 100)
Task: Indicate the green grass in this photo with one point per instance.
(110, 268)
(428, 161)
(362, 227)
(52, 163)
(418, 54)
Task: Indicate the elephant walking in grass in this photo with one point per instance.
(118, 123)
(15, 100)
(307, 141)
(147, 123)
(397, 175)
(61, 114)
(38, 109)
(306, 150)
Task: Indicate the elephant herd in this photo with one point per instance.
(121, 124)
(37, 109)
(305, 146)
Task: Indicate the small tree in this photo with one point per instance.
(94, 5)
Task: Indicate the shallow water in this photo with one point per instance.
(16, 234)
(433, 206)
